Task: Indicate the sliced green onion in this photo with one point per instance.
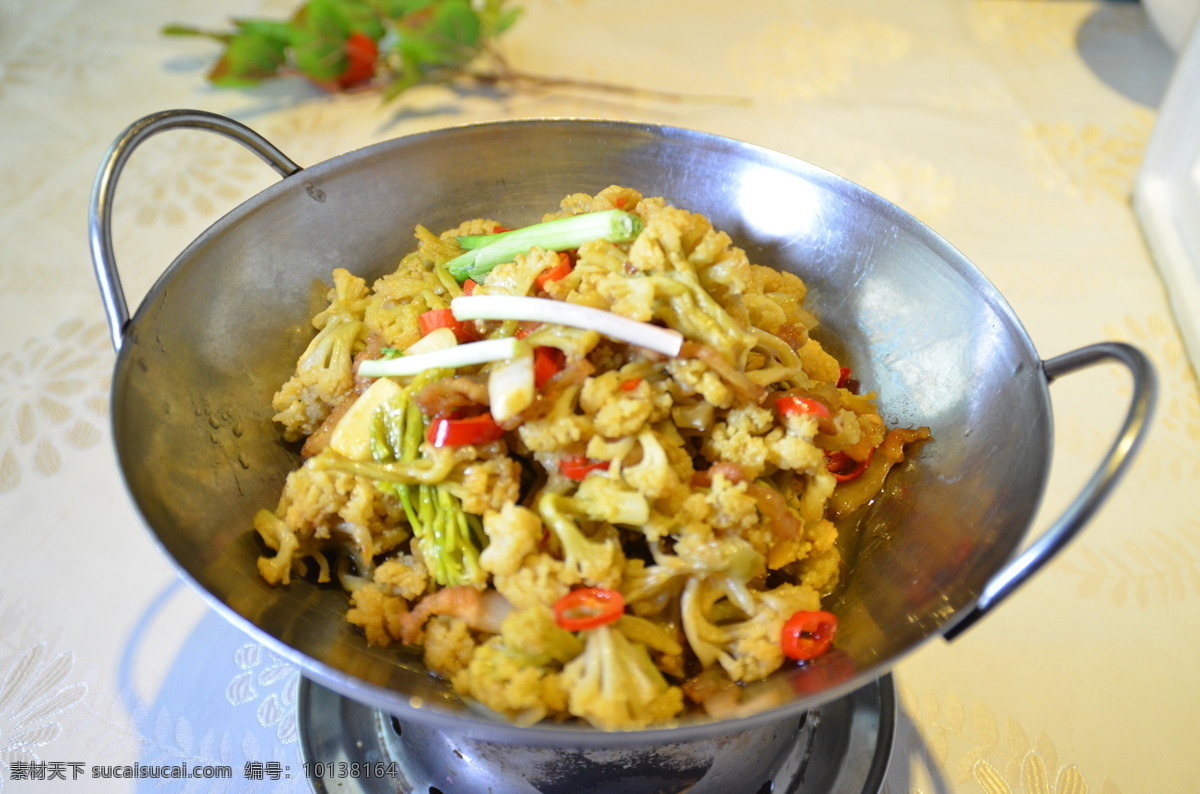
(463, 355)
(561, 234)
(469, 242)
(514, 307)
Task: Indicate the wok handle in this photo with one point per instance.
(104, 188)
(1096, 490)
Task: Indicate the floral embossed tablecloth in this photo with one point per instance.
(1013, 127)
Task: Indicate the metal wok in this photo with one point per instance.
(200, 358)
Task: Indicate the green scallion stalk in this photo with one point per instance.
(469, 242)
(561, 234)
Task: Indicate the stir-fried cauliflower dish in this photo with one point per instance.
(587, 467)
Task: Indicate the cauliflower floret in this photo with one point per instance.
(768, 280)
(844, 430)
(598, 267)
(487, 484)
(322, 510)
(379, 614)
(435, 249)
(281, 539)
(723, 268)
(540, 580)
(775, 299)
(704, 553)
(699, 278)
(619, 410)
(732, 507)
(692, 377)
(604, 498)
(752, 419)
(514, 533)
(748, 649)
(533, 633)
(814, 497)
(820, 570)
(729, 561)
(575, 343)
(473, 226)
(649, 589)
(744, 438)
(449, 646)
(822, 533)
(814, 558)
(597, 560)
(677, 450)
(523, 693)
(324, 373)
(753, 650)
(601, 449)
(614, 684)
(518, 277)
(612, 197)
(629, 296)
(726, 561)
(558, 429)
(653, 475)
(817, 363)
(803, 529)
(617, 197)
(765, 313)
(574, 204)
(397, 301)
(404, 576)
(663, 639)
(680, 512)
(347, 299)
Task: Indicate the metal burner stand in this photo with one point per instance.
(843, 747)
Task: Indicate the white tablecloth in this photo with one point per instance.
(1014, 128)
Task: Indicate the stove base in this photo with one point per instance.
(843, 746)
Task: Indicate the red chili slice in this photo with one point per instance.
(547, 361)
(579, 467)
(561, 270)
(446, 432)
(588, 608)
(846, 468)
(802, 405)
(469, 286)
(630, 384)
(808, 634)
(434, 319)
(843, 377)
